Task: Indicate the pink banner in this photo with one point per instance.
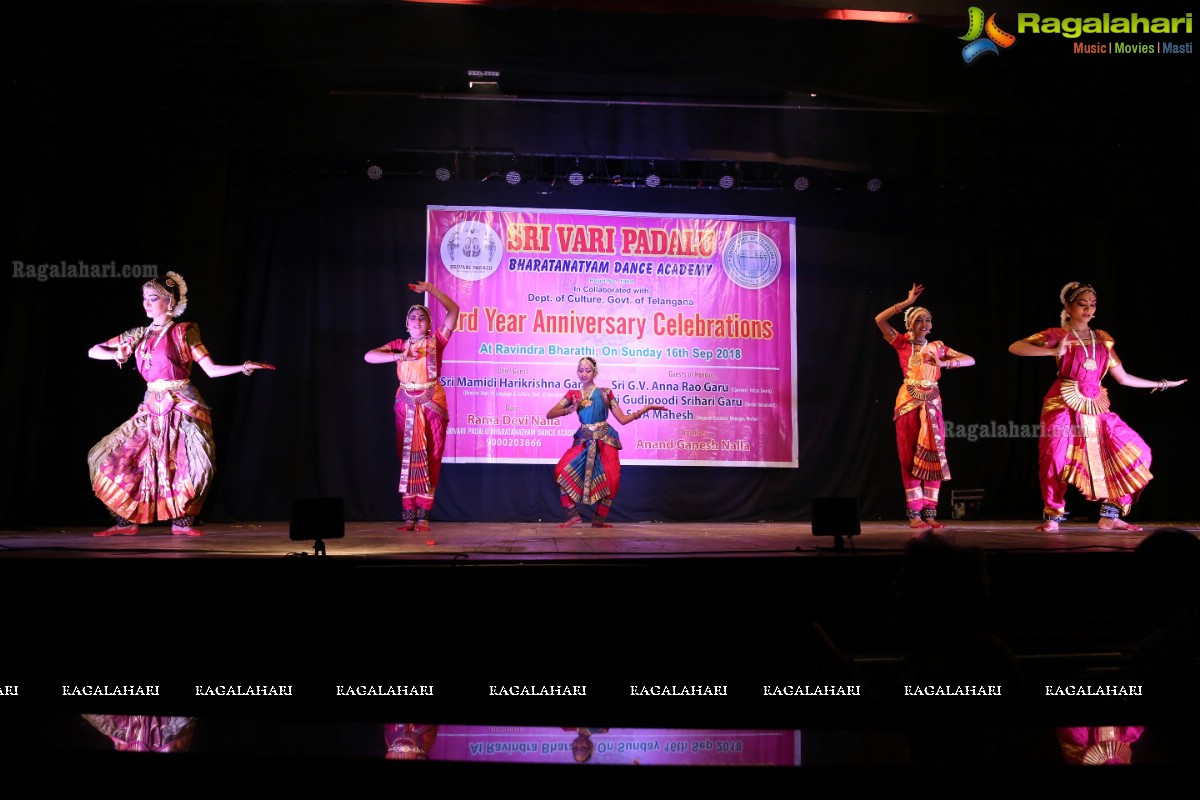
(695, 313)
(616, 746)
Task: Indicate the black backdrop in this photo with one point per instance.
(215, 140)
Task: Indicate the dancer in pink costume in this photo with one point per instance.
(159, 464)
(422, 413)
(1082, 443)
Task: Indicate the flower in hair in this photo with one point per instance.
(176, 282)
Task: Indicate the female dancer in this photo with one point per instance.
(158, 465)
(420, 406)
(590, 472)
(920, 428)
(1082, 443)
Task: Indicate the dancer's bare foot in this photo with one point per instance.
(1047, 527)
(599, 523)
(919, 524)
(1107, 524)
(186, 530)
(422, 526)
(933, 523)
(571, 523)
(407, 526)
(118, 530)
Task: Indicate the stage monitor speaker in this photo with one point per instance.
(836, 517)
(315, 519)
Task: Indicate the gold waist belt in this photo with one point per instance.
(166, 386)
(593, 431)
(1078, 401)
(925, 391)
(416, 387)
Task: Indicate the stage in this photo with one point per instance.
(545, 541)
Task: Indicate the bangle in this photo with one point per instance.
(246, 368)
(896, 307)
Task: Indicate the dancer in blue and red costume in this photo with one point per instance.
(590, 472)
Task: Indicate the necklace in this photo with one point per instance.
(1090, 362)
(148, 346)
(413, 350)
(586, 400)
(918, 353)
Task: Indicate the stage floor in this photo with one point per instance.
(481, 541)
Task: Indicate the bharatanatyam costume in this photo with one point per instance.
(421, 418)
(145, 734)
(159, 464)
(590, 472)
(920, 427)
(1082, 443)
(1099, 745)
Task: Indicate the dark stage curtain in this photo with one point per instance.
(309, 272)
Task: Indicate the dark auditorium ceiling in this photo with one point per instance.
(765, 82)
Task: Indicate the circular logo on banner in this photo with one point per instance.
(471, 250)
(751, 260)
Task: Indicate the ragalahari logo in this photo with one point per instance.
(976, 27)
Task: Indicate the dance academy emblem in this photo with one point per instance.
(471, 250)
(976, 28)
(751, 260)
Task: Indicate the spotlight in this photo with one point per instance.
(442, 174)
(874, 185)
(374, 172)
(726, 182)
(513, 177)
(653, 181)
(801, 184)
(575, 178)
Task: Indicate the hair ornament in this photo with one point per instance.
(1068, 295)
(177, 285)
(911, 314)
